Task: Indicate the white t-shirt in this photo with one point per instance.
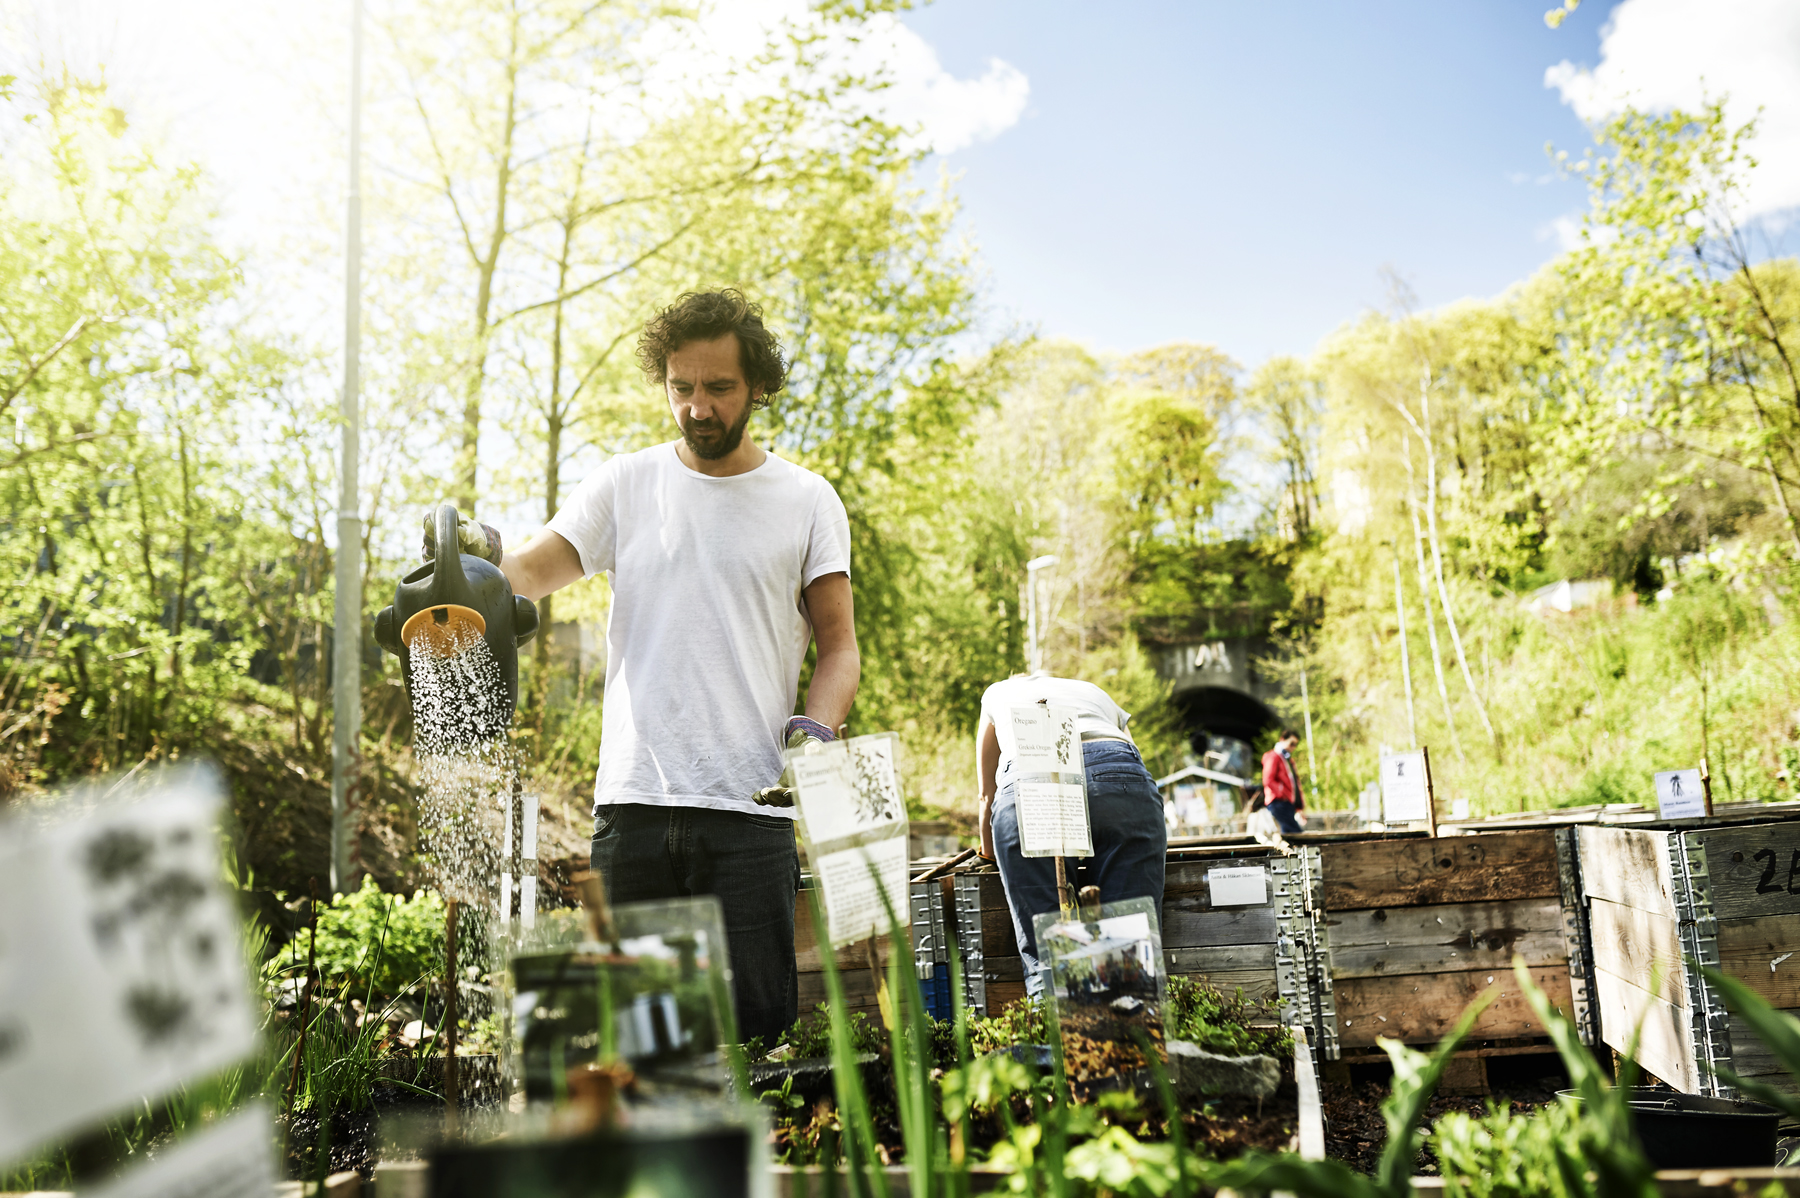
(1095, 712)
(708, 627)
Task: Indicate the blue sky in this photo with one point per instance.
(1241, 173)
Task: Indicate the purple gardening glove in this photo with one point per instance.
(797, 732)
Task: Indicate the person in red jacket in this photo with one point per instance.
(1281, 783)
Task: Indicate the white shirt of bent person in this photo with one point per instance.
(708, 627)
(1095, 712)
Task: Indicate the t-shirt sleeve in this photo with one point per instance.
(586, 520)
(828, 541)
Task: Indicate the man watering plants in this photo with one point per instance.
(725, 562)
(1125, 810)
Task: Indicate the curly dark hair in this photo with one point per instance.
(703, 316)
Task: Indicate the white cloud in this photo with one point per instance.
(1661, 54)
(948, 113)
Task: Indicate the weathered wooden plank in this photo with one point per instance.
(1640, 946)
(1765, 954)
(1628, 866)
(1446, 938)
(1489, 867)
(1187, 923)
(1419, 1009)
(1182, 879)
(1003, 994)
(1754, 869)
(806, 944)
(859, 991)
(1665, 1043)
(1224, 958)
(1750, 1057)
(1187, 927)
(1258, 985)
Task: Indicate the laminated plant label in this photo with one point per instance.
(1405, 791)
(1238, 886)
(1053, 819)
(1107, 979)
(228, 1159)
(1680, 794)
(852, 881)
(853, 819)
(121, 971)
(1044, 740)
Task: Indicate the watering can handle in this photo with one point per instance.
(448, 548)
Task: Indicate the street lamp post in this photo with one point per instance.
(1034, 649)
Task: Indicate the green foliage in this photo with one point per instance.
(1219, 1022)
(810, 1035)
(1416, 1077)
(368, 940)
(1026, 1021)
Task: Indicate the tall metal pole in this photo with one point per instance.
(1034, 651)
(346, 699)
(1412, 721)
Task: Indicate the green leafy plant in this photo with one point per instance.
(1205, 1015)
(410, 932)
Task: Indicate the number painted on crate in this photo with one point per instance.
(1768, 875)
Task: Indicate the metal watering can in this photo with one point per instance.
(442, 605)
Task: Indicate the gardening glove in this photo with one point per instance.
(798, 732)
(476, 539)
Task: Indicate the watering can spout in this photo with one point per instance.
(443, 607)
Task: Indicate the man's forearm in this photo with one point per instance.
(833, 687)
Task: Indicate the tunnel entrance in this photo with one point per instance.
(1224, 721)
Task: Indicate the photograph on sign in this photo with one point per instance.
(851, 885)
(231, 1158)
(1053, 819)
(662, 988)
(1238, 886)
(848, 787)
(1680, 794)
(1107, 980)
(1044, 740)
(1405, 791)
(121, 973)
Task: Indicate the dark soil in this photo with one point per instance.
(1355, 1133)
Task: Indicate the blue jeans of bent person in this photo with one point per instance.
(1131, 846)
(748, 861)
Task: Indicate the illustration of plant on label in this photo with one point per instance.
(1108, 985)
(656, 996)
(1049, 783)
(854, 823)
(121, 973)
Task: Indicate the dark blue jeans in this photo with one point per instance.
(1131, 846)
(1283, 811)
(749, 862)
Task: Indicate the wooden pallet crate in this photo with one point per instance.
(852, 963)
(1266, 950)
(1418, 927)
(1726, 894)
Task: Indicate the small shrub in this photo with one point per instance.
(1218, 1022)
(350, 954)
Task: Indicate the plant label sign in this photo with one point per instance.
(853, 819)
(121, 975)
(1238, 886)
(1044, 740)
(1680, 794)
(1053, 819)
(1405, 792)
(228, 1159)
